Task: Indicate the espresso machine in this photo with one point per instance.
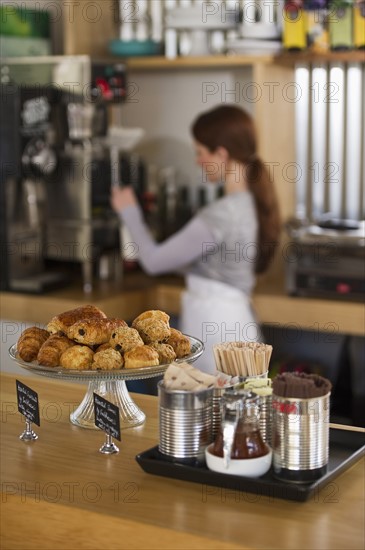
(60, 168)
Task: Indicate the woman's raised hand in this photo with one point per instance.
(122, 197)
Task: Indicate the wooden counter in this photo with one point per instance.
(137, 292)
(60, 492)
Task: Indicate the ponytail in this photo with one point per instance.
(268, 214)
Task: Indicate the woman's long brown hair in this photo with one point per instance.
(230, 127)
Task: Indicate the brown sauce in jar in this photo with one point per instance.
(247, 443)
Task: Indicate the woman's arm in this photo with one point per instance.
(182, 248)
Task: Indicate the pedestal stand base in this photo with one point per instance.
(117, 393)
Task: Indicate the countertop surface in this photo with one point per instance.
(61, 492)
(136, 292)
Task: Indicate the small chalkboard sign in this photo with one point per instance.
(107, 416)
(28, 404)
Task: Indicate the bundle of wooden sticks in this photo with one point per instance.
(242, 358)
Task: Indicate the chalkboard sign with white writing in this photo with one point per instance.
(107, 416)
(28, 404)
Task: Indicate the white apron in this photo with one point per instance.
(216, 312)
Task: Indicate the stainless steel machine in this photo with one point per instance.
(56, 168)
(326, 258)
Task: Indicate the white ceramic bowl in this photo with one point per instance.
(248, 467)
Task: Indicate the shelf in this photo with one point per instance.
(199, 62)
(291, 58)
(153, 63)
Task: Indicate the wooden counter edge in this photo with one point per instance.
(279, 309)
(272, 306)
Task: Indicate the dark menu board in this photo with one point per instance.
(28, 404)
(107, 416)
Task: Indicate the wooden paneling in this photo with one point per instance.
(88, 26)
(274, 117)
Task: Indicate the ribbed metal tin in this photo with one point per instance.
(300, 436)
(185, 422)
(266, 414)
(217, 410)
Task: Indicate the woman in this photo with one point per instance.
(227, 242)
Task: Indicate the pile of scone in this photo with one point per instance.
(86, 339)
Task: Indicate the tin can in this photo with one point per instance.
(265, 421)
(300, 437)
(185, 423)
(217, 409)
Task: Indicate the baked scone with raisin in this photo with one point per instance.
(103, 347)
(143, 356)
(166, 353)
(50, 352)
(107, 359)
(92, 332)
(151, 314)
(179, 342)
(153, 330)
(125, 338)
(117, 323)
(77, 358)
(61, 322)
(30, 342)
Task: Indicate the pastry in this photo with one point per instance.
(30, 342)
(77, 358)
(166, 353)
(153, 330)
(107, 359)
(50, 352)
(61, 322)
(143, 356)
(103, 347)
(151, 314)
(125, 338)
(94, 331)
(116, 323)
(179, 342)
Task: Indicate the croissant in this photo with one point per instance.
(50, 353)
(179, 342)
(61, 322)
(143, 356)
(30, 342)
(77, 358)
(93, 331)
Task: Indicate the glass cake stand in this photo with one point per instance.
(108, 384)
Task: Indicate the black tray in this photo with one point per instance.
(346, 447)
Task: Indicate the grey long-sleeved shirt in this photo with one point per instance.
(219, 243)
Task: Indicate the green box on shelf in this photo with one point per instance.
(22, 22)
